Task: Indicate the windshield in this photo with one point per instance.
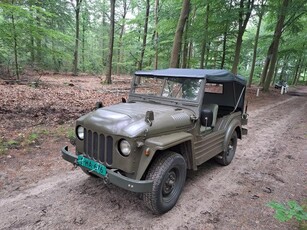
(168, 87)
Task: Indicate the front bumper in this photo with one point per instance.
(113, 177)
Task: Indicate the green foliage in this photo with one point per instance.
(5, 145)
(284, 213)
(70, 134)
(32, 138)
(45, 33)
(22, 140)
(34, 36)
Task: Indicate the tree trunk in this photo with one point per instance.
(300, 70)
(205, 40)
(202, 54)
(242, 27)
(185, 45)
(207, 56)
(266, 65)
(39, 56)
(174, 63)
(15, 46)
(215, 58)
(103, 40)
(224, 46)
(140, 66)
(276, 40)
(275, 74)
(190, 53)
(32, 40)
(296, 72)
(188, 44)
(251, 74)
(111, 44)
(32, 53)
(83, 44)
(120, 43)
(156, 34)
(75, 62)
(285, 62)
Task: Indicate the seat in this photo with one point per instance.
(214, 108)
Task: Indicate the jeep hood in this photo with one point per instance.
(128, 119)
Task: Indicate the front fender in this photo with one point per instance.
(155, 144)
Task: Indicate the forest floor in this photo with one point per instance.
(39, 190)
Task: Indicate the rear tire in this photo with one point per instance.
(226, 157)
(168, 173)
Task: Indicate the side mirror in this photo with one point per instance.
(149, 117)
(206, 117)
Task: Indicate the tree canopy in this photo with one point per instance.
(261, 39)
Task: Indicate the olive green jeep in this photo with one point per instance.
(173, 121)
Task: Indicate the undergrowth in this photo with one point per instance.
(291, 210)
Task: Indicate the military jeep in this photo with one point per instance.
(173, 121)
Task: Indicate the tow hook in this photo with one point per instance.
(106, 180)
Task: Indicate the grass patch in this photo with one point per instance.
(291, 210)
(71, 135)
(36, 137)
(5, 144)
(66, 131)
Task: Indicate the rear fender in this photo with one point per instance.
(157, 144)
(234, 126)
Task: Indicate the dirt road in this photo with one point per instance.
(270, 164)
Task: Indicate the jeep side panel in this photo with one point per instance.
(208, 146)
(211, 144)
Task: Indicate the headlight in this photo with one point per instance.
(124, 148)
(80, 132)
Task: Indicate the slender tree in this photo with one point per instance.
(39, 54)
(15, 45)
(77, 8)
(140, 64)
(122, 30)
(188, 43)
(179, 32)
(156, 34)
(102, 34)
(244, 15)
(227, 22)
(275, 43)
(111, 43)
(260, 15)
(205, 39)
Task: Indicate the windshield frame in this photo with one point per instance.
(159, 98)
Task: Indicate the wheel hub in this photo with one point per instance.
(169, 183)
(230, 148)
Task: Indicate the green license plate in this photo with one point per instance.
(93, 166)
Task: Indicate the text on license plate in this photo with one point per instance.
(93, 166)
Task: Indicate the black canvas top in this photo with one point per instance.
(212, 75)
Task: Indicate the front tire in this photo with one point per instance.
(168, 173)
(226, 157)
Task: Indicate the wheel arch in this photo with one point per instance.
(182, 146)
(238, 129)
(234, 126)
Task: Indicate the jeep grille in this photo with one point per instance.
(98, 147)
